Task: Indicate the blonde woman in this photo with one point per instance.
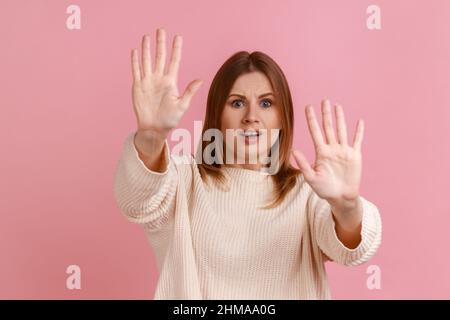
(222, 229)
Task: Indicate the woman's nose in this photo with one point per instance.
(251, 114)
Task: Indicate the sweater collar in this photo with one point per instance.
(236, 173)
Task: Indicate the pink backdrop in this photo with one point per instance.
(66, 109)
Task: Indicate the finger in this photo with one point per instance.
(176, 56)
(341, 127)
(135, 65)
(146, 58)
(313, 127)
(304, 165)
(190, 91)
(160, 51)
(327, 121)
(357, 141)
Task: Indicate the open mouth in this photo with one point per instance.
(250, 136)
(250, 133)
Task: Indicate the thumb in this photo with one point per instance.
(190, 91)
(303, 164)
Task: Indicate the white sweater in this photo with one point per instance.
(215, 244)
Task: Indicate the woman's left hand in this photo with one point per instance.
(336, 174)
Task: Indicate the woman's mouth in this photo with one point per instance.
(250, 136)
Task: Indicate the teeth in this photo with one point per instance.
(249, 134)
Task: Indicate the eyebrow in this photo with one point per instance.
(242, 96)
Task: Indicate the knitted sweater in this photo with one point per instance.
(211, 243)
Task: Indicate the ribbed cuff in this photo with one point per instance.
(370, 237)
(140, 176)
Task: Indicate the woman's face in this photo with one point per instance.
(250, 106)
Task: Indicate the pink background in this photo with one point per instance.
(66, 109)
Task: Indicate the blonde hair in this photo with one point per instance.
(240, 63)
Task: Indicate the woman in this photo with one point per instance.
(221, 229)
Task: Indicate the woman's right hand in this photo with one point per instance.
(156, 101)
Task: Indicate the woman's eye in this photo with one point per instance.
(237, 103)
(266, 103)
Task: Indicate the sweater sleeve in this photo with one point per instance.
(144, 196)
(328, 241)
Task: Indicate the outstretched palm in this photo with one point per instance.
(336, 173)
(156, 99)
